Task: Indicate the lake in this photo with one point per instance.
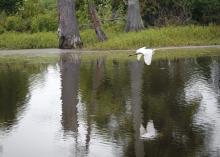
(110, 107)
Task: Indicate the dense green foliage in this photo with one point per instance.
(154, 37)
(41, 15)
(168, 12)
(33, 16)
(10, 6)
(206, 11)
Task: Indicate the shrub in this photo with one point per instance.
(10, 6)
(15, 23)
(206, 11)
(44, 22)
(3, 17)
(2, 29)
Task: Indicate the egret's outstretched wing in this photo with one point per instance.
(140, 49)
(148, 58)
(139, 56)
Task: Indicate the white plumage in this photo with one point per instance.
(148, 53)
(150, 132)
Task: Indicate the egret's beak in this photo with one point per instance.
(132, 55)
(137, 53)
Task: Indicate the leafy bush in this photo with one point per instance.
(15, 23)
(10, 6)
(3, 17)
(31, 8)
(206, 11)
(2, 29)
(82, 14)
(44, 22)
(114, 26)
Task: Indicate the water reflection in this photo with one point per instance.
(14, 91)
(99, 106)
(1, 149)
(70, 72)
(103, 95)
(173, 117)
(136, 73)
(208, 112)
(149, 132)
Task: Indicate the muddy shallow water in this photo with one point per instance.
(101, 107)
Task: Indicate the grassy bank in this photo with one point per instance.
(152, 37)
(14, 40)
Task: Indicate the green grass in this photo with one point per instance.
(151, 37)
(14, 40)
(159, 37)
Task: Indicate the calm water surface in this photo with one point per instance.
(110, 108)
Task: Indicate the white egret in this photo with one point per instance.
(148, 53)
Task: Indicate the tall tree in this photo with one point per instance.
(134, 20)
(69, 37)
(96, 22)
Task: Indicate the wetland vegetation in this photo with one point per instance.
(95, 100)
(178, 23)
(152, 37)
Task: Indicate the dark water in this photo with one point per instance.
(101, 108)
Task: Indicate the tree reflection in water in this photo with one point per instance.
(105, 102)
(70, 76)
(70, 73)
(113, 114)
(156, 93)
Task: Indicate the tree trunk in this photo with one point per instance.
(95, 20)
(134, 21)
(69, 37)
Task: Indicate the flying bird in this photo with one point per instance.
(147, 52)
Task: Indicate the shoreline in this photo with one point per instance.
(59, 51)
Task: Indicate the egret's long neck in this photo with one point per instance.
(135, 54)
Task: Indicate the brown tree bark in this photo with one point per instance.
(69, 37)
(134, 20)
(95, 21)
